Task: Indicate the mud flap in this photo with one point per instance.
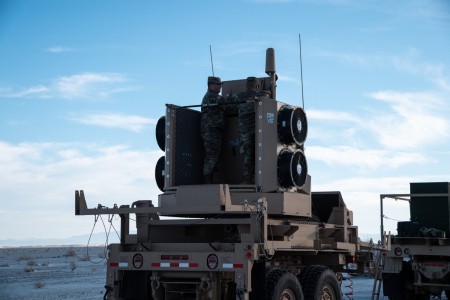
(258, 280)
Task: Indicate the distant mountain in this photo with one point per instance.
(97, 239)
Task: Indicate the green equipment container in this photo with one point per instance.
(428, 210)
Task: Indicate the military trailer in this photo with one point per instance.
(272, 239)
(416, 261)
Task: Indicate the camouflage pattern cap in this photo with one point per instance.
(212, 79)
(252, 80)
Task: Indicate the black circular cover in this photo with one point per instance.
(160, 172)
(292, 168)
(292, 125)
(161, 133)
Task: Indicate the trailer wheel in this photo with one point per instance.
(282, 285)
(406, 285)
(319, 283)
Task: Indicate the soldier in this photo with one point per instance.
(246, 111)
(212, 126)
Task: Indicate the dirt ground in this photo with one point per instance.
(79, 273)
(52, 273)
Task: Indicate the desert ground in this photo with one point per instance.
(52, 273)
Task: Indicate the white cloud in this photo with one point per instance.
(32, 91)
(363, 158)
(58, 49)
(79, 86)
(329, 115)
(39, 181)
(394, 136)
(407, 121)
(417, 120)
(39, 91)
(287, 78)
(411, 64)
(113, 120)
(88, 85)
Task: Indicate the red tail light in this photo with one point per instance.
(350, 259)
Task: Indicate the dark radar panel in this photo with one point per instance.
(189, 150)
(160, 133)
(432, 209)
(160, 172)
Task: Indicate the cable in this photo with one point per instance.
(246, 205)
(108, 290)
(239, 293)
(261, 211)
(96, 217)
(386, 217)
(349, 294)
(118, 235)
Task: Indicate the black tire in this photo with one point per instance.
(282, 285)
(425, 296)
(319, 283)
(406, 285)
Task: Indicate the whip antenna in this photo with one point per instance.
(212, 64)
(301, 68)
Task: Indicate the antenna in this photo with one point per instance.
(271, 70)
(301, 68)
(212, 64)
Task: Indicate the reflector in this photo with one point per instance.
(138, 261)
(212, 261)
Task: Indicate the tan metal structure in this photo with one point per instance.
(274, 239)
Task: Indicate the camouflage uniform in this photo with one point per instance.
(212, 126)
(246, 113)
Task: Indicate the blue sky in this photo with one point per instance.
(82, 84)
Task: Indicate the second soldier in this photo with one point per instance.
(246, 110)
(212, 126)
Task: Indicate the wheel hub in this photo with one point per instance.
(287, 295)
(327, 293)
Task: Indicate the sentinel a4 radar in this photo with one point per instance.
(280, 166)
